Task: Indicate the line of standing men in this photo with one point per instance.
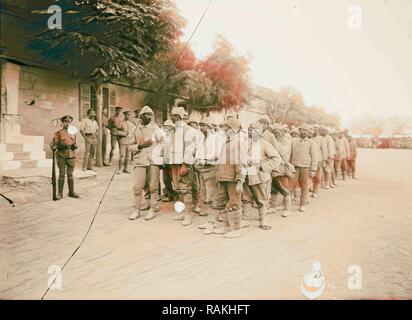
(216, 170)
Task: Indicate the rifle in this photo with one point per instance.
(54, 176)
(8, 200)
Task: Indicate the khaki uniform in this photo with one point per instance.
(207, 154)
(105, 135)
(328, 169)
(116, 133)
(320, 146)
(340, 150)
(89, 128)
(131, 127)
(230, 170)
(182, 149)
(145, 171)
(345, 156)
(284, 148)
(353, 154)
(65, 157)
(305, 159)
(264, 160)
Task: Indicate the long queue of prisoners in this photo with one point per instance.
(212, 169)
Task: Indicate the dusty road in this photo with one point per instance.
(367, 222)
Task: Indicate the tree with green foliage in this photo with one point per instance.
(107, 40)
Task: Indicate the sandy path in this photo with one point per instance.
(367, 222)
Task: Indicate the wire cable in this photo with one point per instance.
(114, 173)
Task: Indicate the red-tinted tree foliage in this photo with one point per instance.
(228, 73)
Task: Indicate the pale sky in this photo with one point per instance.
(308, 44)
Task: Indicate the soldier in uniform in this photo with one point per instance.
(145, 171)
(114, 127)
(130, 131)
(304, 158)
(182, 151)
(105, 135)
(65, 145)
(321, 150)
(88, 129)
(230, 178)
(340, 152)
(282, 181)
(330, 151)
(346, 155)
(207, 155)
(198, 138)
(353, 153)
(263, 160)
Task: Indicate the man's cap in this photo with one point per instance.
(265, 119)
(169, 123)
(192, 121)
(277, 126)
(304, 127)
(256, 125)
(66, 117)
(180, 111)
(230, 115)
(207, 121)
(145, 109)
(232, 123)
(119, 108)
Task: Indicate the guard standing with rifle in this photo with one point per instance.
(64, 145)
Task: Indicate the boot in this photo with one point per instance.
(144, 207)
(126, 170)
(287, 201)
(150, 215)
(198, 210)
(273, 204)
(245, 220)
(209, 228)
(237, 220)
(226, 225)
(263, 219)
(72, 194)
(187, 219)
(120, 168)
(60, 189)
(135, 215)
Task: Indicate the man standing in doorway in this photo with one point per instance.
(88, 129)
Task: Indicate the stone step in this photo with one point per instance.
(23, 147)
(6, 156)
(12, 139)
(33, 155)
(23, 164)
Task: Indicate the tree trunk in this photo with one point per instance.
(99, 109)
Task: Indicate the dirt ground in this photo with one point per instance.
(365, 222)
